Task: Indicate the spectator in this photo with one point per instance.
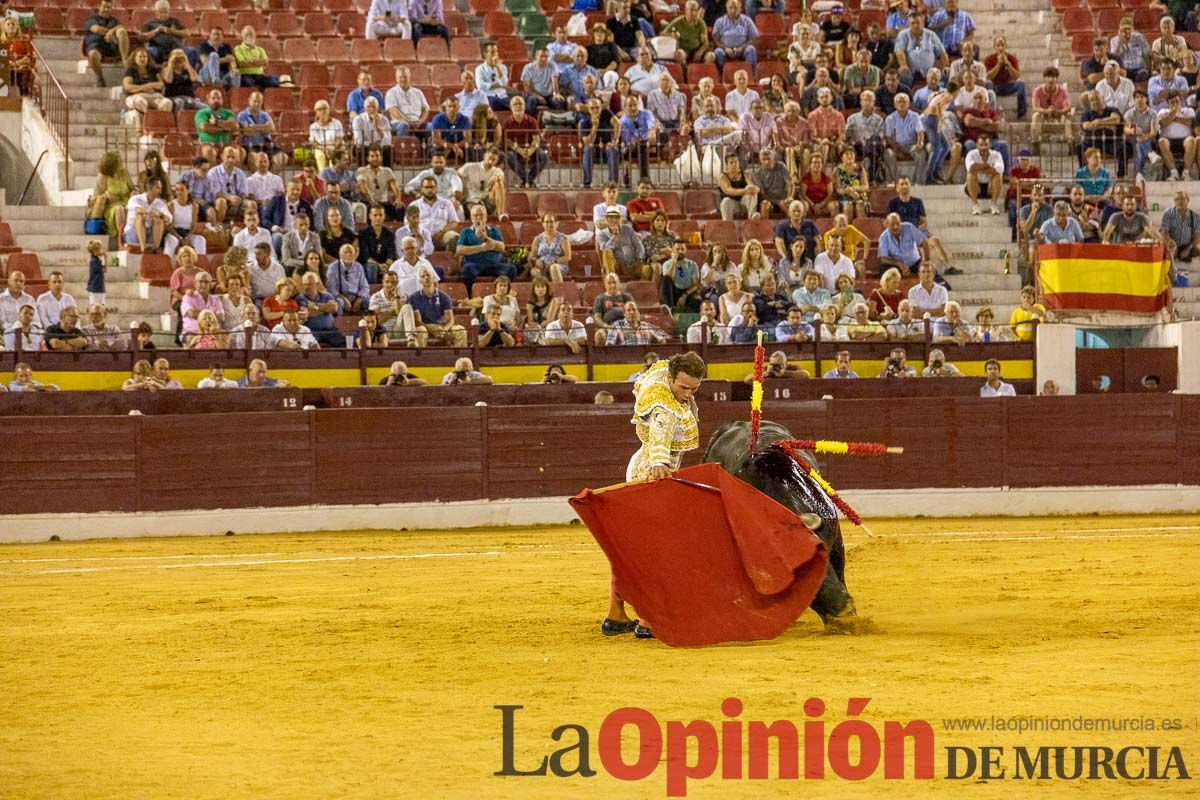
(826, 126)
(1096, 181)
(218, 64)
(842, 369)
(770, 304)
(746, 328)
(978, 119)
(235, 264)
(143, 86)
(51, 303)
(1176, 140)
(897, 366)
(994, 387)
(904, 327)
(252, 61)
(215, 126)
(1052, 109)
(1181, 229)
(609, 306)
(953, 26)
(638, 130)
(598, 135)
(741, 96)
(104, 37)
(832, 263)
(680, 287)
(926, 296)
(372, 129)
(1141, 131)
(428, 18)
(885, 95)
(378, 186)
(540, 309)
(297, 247)
(643, 209)
(437, 214)
(483, 182)
(904, 135)
(503, 299)
(632, 329)
(387, 18)
(491, 78)
(102, 334)
(179, 82)
(471, 96)
(967, 63)
(565, 330)
(377, 245)
(691, 36)
(816, 189)
(1130, 226)
(256, 377)
(902, 245)
(356, 101)
(952, 328)
(540, 81)
(1114, 89)
(464, 372)
(23, 381)
(881, 46)
(1061, 228)
(1166, 82)
(733, 37)
(406, 106)
(493, 332)
(282, 300)
(645, 74)
(147, 217)
(399, 375)
(1023, 316)
(1050, 389)
(346, 280)
(773, 182)
(1032, 216)
(209, 334)
(706, 328)
(1102, 128)
(778, 368)
(794, 329)
(918, 49)
(792, 136)
(757, 127)
(550, 252)
(714, 129)
(1004, 71)
(621, 249)
(481, 249)
(938, 367)
(237, 300)
(864, 329)
(321, 307)
(885, 299)
(793, 228)
(860, 76)
(291, 335)
(1169, 46)
(281, 217)
(812, 296)
(755, 265)
(624, 31)
(65, 335)
(729, 304)
(227, 184)
(1132, 50)
(114, 186)
(23, 331)
(163, 33)
(525, 154)
(325, 134)
(392, 310)
(197, 300)
(257, 127)
(835, 27)
(802, 56)
(845, 297)
(251, 234)
(434, 313)
(215, 379)
(985, 174)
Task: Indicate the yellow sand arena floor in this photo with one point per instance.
(362, 664)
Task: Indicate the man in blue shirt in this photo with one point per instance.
(256, 124)
(918, 49)
(433, 312)
(795, 329)
(570, 78)
(901, 245)
(481, 248)
(321, 307)
(354, 103)
(1061, 228)
(637, 128)
(842, 370)
(953, 26)
(346, 280)
(733, 37)
(449, 128)
(905, 137)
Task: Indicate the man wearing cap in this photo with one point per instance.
(621, 249)
(834, 29)
(1132, 49)
(1003, 69)
(918, 49)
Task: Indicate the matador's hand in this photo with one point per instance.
(659, 471)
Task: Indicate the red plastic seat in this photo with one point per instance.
(498, 23)
(512, 48)
(284, 25)
(213, 19)
(555, 203)
(696, 72)
(398, 50)
(332, 51)
(449, 75)
(769, 24)
(311, 95)
(279, 99)
(1078, 20)
(481, 7)
(516, 205)
(1081, 44)
(760, 229)
(254, 19)
(155, 269)
(28, 265)
(432, 49)
(701, 204)
(313, 74)
(1064, 5)
(1146, 19)
(465, 50)
(158, 123)
(350, 24)
(318, 25)
(7, 244)
(294, 122)
(299, 51)
(672, 203)
(366, 51)
(722, 230)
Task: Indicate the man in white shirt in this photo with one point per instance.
(1116, 90)
(392, 309)
(483, 183)
(565, 330)
(264, 271)
(252, 234)
(437, 213)
(13, 298)
(388, 18)
(985, 174)
(216, 379)
(262, 185)
(708, 326)
(449, 184)
(251, 321)
(147, 218)
(643, 76)
(412, 227)
(407, 268)
(406, 106)
(600, 210)
(994, 387)
(51, 302)
(491, 78)
(833, 263)
(904, 327)
(927, 297)
(291, 335)
(739, 98)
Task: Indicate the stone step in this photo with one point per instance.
(968, 283)
(14, 213)
(74, 241)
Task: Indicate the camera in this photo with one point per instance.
(893, 367)
(553, 377)
(937, 363)
(776, 369)
(460, 375)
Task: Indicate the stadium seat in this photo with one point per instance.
(158, 123)
(554, 203)
(214, 19)
(366, 51)
(397, 50)
(253, 19)
(338, 6)
(700, 204)
(512, 48)
(350, 25)
(498, 23)
(871, 227)
(759, 229)
(769, 24)
(1146, 19)
(516, 205)
(313, 74)
(1081, 44)
(721, 230)
(644, 292)
(482, 7)
(531, 26)
(279, 99)
(284, 25)
(1078, 20)
(318, 25)
(687, 229)
(456, 21)
(310, 95)
(697, 72)
(294, 122)
(672, 204)
(332, 51)
(586, 263)
(585, 201)
(731, 68)
(29, 265)
(299, 51)
(432, 49)
(7, 245)
(465, 50)
(1097, 5)
(445, 75)
(155, 269)
(1064, 5)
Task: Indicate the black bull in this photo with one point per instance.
(773, 472)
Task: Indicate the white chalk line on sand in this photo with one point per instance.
(1138, 528)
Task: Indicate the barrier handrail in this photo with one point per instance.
(55, 105)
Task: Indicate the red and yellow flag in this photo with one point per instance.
(1105, 277)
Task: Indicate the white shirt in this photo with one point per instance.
(1005, 390)
(408, 273)
(644, 81)
(695, 332)
(477, 179)
(262, 281)
(209, 383)
(830, 270)
(261, 341)
(555, 332)
(49, 309)
(447, 183)
(423, 236)
(263, 187)
(410, 102)
(737, 103)
(1120, 98)
(994, 161)
(920, 297)
(366, 131)
(303, 336)
(439, 214)
(10, 307)
(33, 341)
(600, 211)
(1181, 128)
(245, 238)
(138, 202)
(329, 135)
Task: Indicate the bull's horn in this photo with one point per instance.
(812, 521)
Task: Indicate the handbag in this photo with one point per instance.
(95, 226)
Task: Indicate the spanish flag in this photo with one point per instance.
(1105, 277)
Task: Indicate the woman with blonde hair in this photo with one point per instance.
(234, 262)
(210, 335)
(113, 189)
(829, 330)
(143, 87)
(885, 298)
(729, 304)
(325, 134)
(846, 297)
(141, 378)
(755, 264)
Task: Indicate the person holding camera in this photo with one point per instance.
(400, 376)
(938, 366)
(556, 373)
(778, 368)
(493, 332)
(465, 372)
(897, 366)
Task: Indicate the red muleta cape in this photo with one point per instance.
(708, 563)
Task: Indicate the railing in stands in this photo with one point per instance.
(55, 106)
